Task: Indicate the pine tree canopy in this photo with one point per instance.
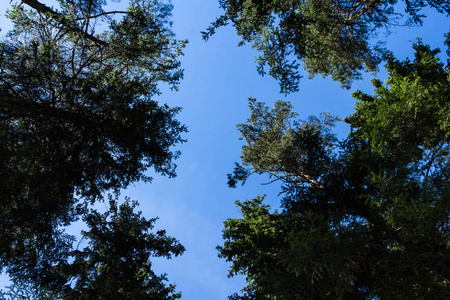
(328, 38)
(78, 119)
(362, 218)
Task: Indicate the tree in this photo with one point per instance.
(78, 118)
(115, 264)
(362, 218)
(336, 38)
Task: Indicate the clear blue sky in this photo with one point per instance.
(219, 77)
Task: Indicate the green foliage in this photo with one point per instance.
(78, 118)
(20, 290)
(285, 149)
(258, 235)
(411, 112)
(116, 264)
(368, 217)
(333, 38)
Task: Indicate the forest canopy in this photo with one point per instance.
(367, 217)
(79, 119)
(82, 118)
(328, 38)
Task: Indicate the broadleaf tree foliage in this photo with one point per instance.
(329, 37)
(367, 217)
(78, 118)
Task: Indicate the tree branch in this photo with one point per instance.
(102, 14)
(23, 107)
(42, 8)
(354, 14)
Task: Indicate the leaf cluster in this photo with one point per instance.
(285, 149)
(116, 264)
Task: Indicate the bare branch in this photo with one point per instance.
(102, 14)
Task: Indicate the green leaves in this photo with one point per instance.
(364, 218)
(258, 235)
(330, 38)
(78, 119)
(282, 147)
(116, 264)
(410, 114)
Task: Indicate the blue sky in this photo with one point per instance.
(219, 77)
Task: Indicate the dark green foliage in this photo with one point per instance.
(116, 264)
(364, 218)
(78, 118)
(335, 38)
(20, 290)
(285, 149)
